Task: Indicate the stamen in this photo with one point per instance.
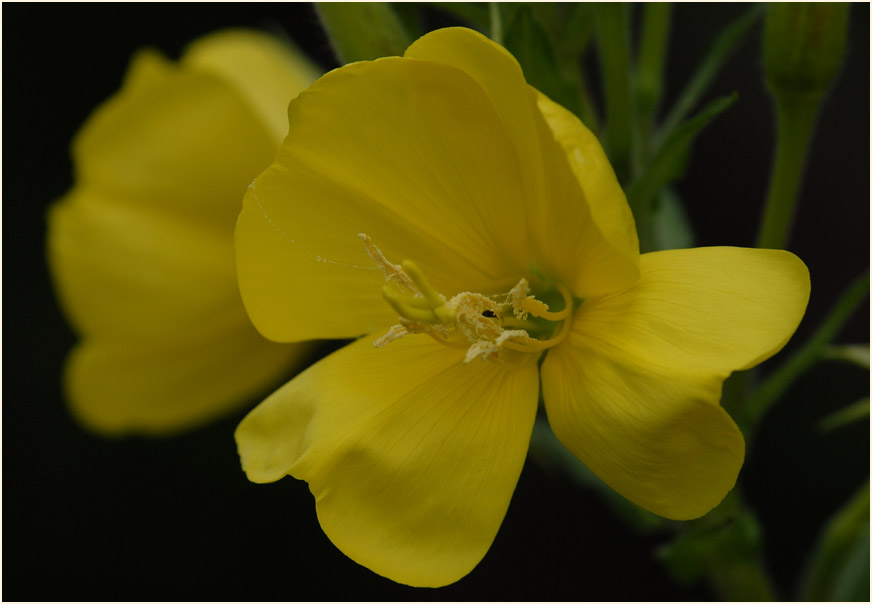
(469, 320)
(567, 306)
(534, 345)
(391, 271)
(394, 333)
(554, 316)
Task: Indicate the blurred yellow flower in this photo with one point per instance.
(520, 264)
(141, 248)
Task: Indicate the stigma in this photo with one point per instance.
(513, 327)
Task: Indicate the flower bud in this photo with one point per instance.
(803, 45)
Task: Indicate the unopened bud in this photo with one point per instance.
(803, 45)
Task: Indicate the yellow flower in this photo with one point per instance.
(520, 264)
(141, 248)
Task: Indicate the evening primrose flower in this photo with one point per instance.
(475, 232)
(141, 248)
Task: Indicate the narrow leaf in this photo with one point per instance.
(854, 412)
(529, 43)
(810, 352)
(577, 28)
(724, 547)
(409, 14)
(721, 49)
(613, 45)
(839, 568)
(666, 164)
(476, 14)
(650, 66)
(849, 353)
(361, 31)
(569, 28)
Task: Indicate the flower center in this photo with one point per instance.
(513, 327)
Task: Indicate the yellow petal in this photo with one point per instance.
(710, 310)
(585, 241)
(126, 271)
(269, 73)
(412, 455)
(653, 437)
(442, 157)
(148, 68)
(634, 391)
(605, 198)
(175, 140)
(121, 387)
(141, 249)
(408, 152)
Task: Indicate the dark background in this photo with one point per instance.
(171, 519)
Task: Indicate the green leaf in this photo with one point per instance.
(849, 353)
(810, 353)
(667, 164)
(569, 28)
(839, 567)
(476, 14)
(721, 49)
(361, 31)
(723, 547)
(409, 14)
(526, 39)
(669, 160)
(852, 582)
(613, 46)
(672, 228)
(576, 28)
(854, 412)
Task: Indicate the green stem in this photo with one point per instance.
(796, 114)
(781, 379)
(496, 22)
(613, 38)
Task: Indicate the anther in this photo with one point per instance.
(481, 324)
